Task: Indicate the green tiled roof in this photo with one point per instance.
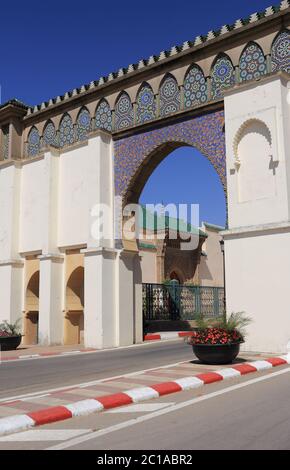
(213, 226)
(153, 222)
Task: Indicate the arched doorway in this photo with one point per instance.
(31, 314)
(74, 314)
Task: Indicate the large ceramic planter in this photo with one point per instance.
(216, 353)
(8, 343)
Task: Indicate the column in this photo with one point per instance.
(51, 296)
(129, 298)
(99, 298)
(11, 292)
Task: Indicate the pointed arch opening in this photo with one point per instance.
(49, 136)
(280, 53)
(83, 124)
(33, 142)
(169, 95)
(253, 63)
(124, 116)
(145, 104)
(195, 87)
(103, 116)
(66, 131)
(222, 75)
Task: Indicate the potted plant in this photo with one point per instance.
(10, 335)
(218, 341)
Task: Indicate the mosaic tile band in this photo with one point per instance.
(205, 133)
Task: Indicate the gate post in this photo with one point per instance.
(257, 241)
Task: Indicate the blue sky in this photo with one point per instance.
(50, 47)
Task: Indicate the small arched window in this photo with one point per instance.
(169, 95)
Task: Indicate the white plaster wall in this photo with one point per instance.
(258, 188)
(73, 199)
(10, 178)
(257, 282)
(85, 181)
(34, 206)
(257, 243)
(210, 269)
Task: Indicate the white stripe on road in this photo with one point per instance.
(35, 435)
(156, 414)
(140, 408)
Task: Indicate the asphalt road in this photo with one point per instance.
(26, 376)
(250, 412)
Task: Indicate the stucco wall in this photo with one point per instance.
(210, 270)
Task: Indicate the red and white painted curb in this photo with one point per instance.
(22, 422)
(167, 335)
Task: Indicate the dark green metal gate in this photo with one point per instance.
(180, 302)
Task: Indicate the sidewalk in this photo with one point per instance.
(31, 351)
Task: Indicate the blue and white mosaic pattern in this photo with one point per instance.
(206, 133)
(66, 131)
(145, 106)
(49, 134)
(83, 124)
(169, 95)
(252, 63)
(33, 144)
(195, 87)
(123, 112)
(103, 119)
(222, 77)
(281, 52)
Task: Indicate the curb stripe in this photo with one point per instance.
(112, 401)
(276, 361)
(166, 388)
(16, 423)
(50, 415)
(245, 368)
(168, 335)
(210, 377)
